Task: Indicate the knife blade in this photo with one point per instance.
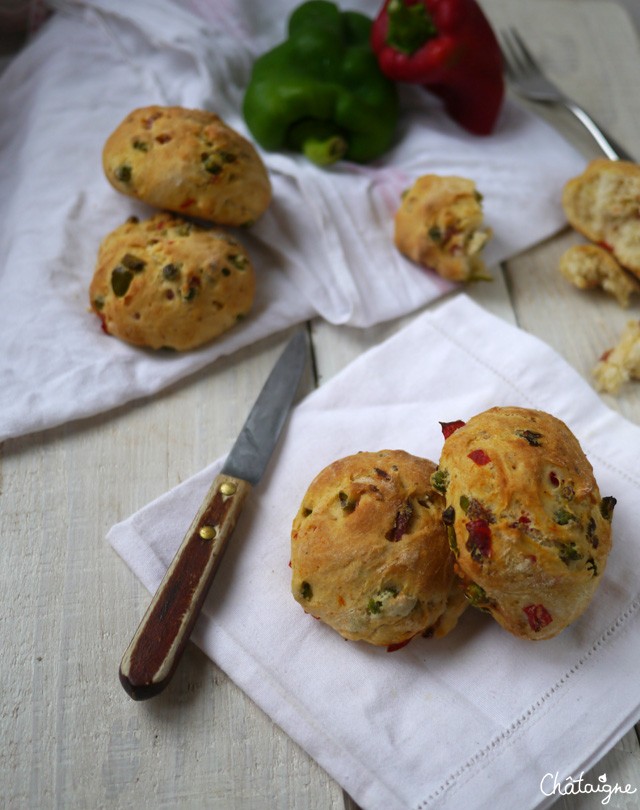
(157, 645)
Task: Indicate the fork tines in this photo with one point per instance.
(516, 55)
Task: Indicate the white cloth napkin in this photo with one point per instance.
(476, 719)
(323, 248)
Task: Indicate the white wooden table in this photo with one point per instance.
(69, 735)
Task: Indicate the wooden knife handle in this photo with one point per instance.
(158, 643)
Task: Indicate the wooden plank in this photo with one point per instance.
(71, 736)
(590, 49)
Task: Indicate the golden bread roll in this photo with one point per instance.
(167, 283)
(527, 524)
(602, 204)
(189, 162)
(589, 267)
(439, 226)
(369, 552)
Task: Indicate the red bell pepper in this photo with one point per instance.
(449, 47)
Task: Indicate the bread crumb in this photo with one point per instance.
(591, 267)
(620, 364)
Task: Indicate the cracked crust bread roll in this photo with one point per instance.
(603, 204)
(167, 283)
(369, 552)
(189, 162)
(527, 524)
(439, 226)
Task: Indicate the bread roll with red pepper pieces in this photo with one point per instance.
(603, 204)
(590, 267)
(189, 162)
(439, 225)
(527, 524)
(369, 552)
(167, 283)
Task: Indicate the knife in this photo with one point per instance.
(157, 645)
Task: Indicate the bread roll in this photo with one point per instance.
(167, 283)
(529, 528)
(189, 162)
(369, 552)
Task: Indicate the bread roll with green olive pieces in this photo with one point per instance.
(369, 551)
(166, 283)
(189, 162)
(528, 527)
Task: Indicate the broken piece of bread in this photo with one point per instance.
(439, 226)
(603, 204)
(589, 267)
(620, 364)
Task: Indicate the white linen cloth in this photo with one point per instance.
(479, 718)
(323, 248)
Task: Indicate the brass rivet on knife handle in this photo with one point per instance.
(156, 648)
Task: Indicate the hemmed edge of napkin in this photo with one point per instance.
(453, 790)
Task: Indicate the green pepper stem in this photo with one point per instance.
(323, 152)
(318, 141)
(409, 26)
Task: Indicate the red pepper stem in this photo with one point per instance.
(410, 26)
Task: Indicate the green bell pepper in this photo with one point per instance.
(321, 91)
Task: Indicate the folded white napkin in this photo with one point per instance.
(323, 248)
(479, 718)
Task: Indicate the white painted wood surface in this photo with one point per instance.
(69, 735)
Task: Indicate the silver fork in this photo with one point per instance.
(527, 78)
